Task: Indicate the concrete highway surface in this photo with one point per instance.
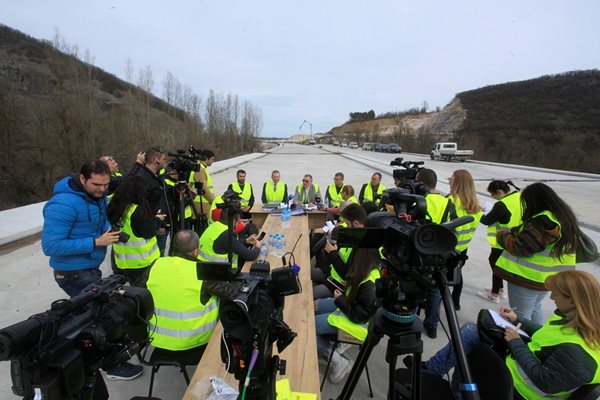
(27, 285)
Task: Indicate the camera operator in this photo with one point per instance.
(171, 180)
(439, 209)
(130, 209)
(185, 308)
(76, 233)
(204, 184)
(154, 161)
(116, 177)
(215, 240)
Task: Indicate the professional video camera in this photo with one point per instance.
(418, 256)
(56, 355)
(408, 170)
(252, 322)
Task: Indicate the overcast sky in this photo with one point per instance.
(319, 60)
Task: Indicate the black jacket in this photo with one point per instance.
(155, 191)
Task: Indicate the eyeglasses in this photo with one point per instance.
(305, 180)
(110, 158)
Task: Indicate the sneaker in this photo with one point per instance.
(340, 368)
(124, 371)
(489, 297)
(431, 332)
(502, 294)
(342, 347)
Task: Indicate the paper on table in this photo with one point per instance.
(503, 323)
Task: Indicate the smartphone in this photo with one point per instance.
(262, 235)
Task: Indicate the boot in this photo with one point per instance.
(340, 367)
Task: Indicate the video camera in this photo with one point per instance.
(413, 249)
(183, 163)
(409, 169)
(56, 355)
(253, 321)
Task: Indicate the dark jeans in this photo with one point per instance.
(74, 282)
(161, 241)
(497, 282)
(432, 309)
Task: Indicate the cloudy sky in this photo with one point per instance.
(319, 60)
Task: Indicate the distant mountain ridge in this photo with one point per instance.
(552, 121)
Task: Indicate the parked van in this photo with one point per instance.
(367, 146)
(353, 145)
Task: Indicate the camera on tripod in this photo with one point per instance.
(184, 164)
(56, 355)
(407, 172)
(253, 321)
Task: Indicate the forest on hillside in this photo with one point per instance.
(552, 121)
(57, 110)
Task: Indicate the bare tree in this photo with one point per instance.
(146, 82)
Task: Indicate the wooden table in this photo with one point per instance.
(302, 364)
(316, 219)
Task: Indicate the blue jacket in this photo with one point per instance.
(72, 221)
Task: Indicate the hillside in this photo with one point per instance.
(552, 121)
(57, 111)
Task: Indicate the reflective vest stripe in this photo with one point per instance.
(540, 265)
(140, 256)
(207, 240)
(177, 333)
(137, 252)
(464, 233)
(180, 321)
(186, 314)
(512, 201)
(537, 267)
(335, 197)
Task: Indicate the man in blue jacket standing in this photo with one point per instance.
(76, 234)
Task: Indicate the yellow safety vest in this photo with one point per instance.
(181, 322)
(512, 201)
(274, 196)
(436, 205)
(344, 253)
(244, 194)
(207, 253)
(368, 192)
(188, 209)
(208, 187)
(465, 233)
(116, 174)
(304, 198)
(213, 206)
(341, 321)
(335, 198)
(137, 252)
(552, 333)
(540, 265)
(353, 199)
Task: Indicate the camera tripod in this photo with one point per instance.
(407, 340)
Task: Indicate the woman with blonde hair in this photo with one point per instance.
(464, 197)
(564, 352)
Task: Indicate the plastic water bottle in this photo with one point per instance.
(278, 246)
(282, 243)
(264, 253)
(271, 244)
(286, 218)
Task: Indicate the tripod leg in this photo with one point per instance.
(366, 349)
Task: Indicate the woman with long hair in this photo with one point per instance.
(564, 352)
(349, 309)
(129, 208)
(543, 245)
(464, 197)
(505, 214)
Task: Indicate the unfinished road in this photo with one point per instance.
(27, 286)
